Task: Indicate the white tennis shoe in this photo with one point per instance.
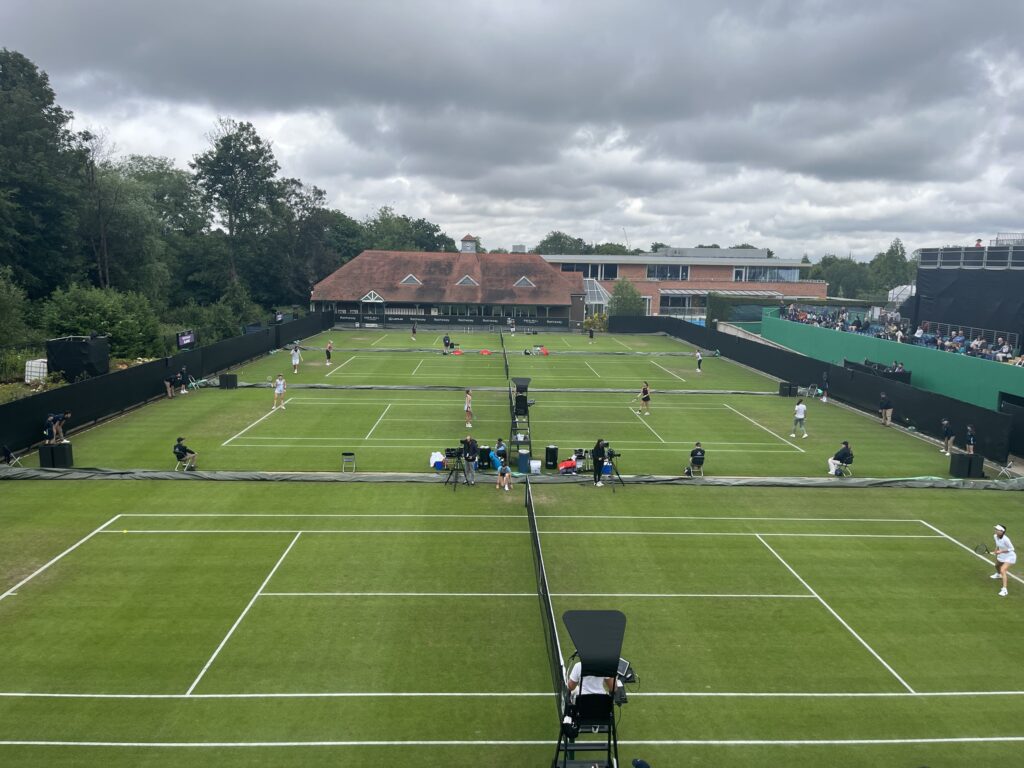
(1002, 592)
(995, 576)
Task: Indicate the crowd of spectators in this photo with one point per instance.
(891, 327)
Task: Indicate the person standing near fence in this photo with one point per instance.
(327, 351)
(700, 361)
(885, 409)
(947, 437)
(414, 331)
(971, 440)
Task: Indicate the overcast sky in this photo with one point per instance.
(805, 126)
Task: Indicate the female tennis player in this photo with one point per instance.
(645, 398)
(1005, 556)
(468, 408)
(280, 387)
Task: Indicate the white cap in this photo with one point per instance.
(1001, 529)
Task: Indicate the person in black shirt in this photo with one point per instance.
(590, 333)
(696, 460)
(471, 451)
(645, 398)
(447, 342)
(971, 440)
(58, 426)
(947, 437)
(843, 456)
(185, 454)
(885, 409)
(597, 456)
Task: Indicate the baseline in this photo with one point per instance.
(261, 418)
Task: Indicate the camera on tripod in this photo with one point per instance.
(612, 453)
(453, 453)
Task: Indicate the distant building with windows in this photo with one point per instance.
(677, 281)
(380, 288)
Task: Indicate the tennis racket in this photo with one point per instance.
(982, 549)
(269, 379)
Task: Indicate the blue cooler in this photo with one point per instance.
(524, 462)
(606, 469)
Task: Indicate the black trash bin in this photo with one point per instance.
(551, 457)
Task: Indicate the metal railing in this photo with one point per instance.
(949, 330)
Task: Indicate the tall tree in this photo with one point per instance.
(846, 278)
(40, 179)
(891, 268)
(237, 178)
(626, 299)
(559, 242)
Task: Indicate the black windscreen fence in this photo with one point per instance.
(912, 407)
(979, 298)
(21, 421)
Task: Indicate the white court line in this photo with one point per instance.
(339, 367)
(549, 404)
(838, 618)
(517, 517)
(378, 422)
(666, 370)
(535, 422)
(530, 594)
(637, 414)
(764, 428)
(261, 418)
(417, 366)
(592, 368)
(242, 616)
(510, 743)
(315, 531)
(969, 549)
(378, 341)
(516, 694)
(619, 342)
(412, 443)
(14, 590)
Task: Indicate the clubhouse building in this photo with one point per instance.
(550, 291)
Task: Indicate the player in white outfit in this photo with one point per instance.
(799, 414)
(1005, 556)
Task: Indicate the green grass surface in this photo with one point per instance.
(285, 624)
(769, 626)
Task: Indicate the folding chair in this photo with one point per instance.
(348, 459)
(1006, 472)
(10, 459)
(194, 384)
(847, 470)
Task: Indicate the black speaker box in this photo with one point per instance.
(551, 457)
(75, 356)
(58, 456)
(229, 381)
(960, 465)
(785, 389)
(977, 466)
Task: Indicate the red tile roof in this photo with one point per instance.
(495, 275)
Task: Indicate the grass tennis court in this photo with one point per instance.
(163, 623)
(399, 625)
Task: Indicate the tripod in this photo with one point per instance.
(615, 470)
(453, 473)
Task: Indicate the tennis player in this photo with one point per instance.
(327, 351)
(645, 398)
(296, 358)
(799, 415)
(1005, 556)
(700, 360)
(280, 387)
(468, 408)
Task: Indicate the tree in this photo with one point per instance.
(656, 246)
(13, 309)
(626, 299)
(559, 242)
(891, 268)
(40, 180)
(846, 278)
(610, 249)
(127, 318)
(237, 178)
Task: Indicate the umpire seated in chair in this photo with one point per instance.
(696, 465)
(185, 456)
(839, 464)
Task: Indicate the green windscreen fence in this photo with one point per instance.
(970, 379)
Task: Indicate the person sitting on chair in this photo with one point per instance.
(590, 684)
(185, 455)
(500, 449)
(504, 477)
(843, 457)
(696, 460)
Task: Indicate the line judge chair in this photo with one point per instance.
(846, 468)
(9, 458)
(696, 467)
(592, 714)
(1006, 472)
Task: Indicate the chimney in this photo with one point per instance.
(469, 244)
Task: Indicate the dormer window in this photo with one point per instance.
(524, 282)
(467, 280)
(410, 279)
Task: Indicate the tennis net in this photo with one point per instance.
(504, 352)
(547, 610)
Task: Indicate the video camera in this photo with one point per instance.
(453, 453)
(612, 453)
